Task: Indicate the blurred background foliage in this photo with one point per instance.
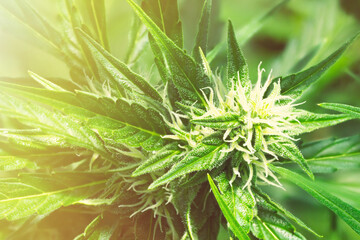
(297, 31)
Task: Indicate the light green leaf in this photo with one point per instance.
(344, 108)
(43, 193)
(308, 122)
(295, 84)
(205, 156)
(237, 68)
(203, 30)
(342, 153)
(235, 226)
(96, 10)
(187, 76)
(10, 163)
(287, 149)
(345, 211)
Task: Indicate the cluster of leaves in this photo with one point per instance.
(104, 143)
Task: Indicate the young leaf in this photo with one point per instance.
(352, 111)
(237, 68)
(10, 163)
(222, 122)
(203, 29)
(203, 157)
(345, 211)
(96, 10)
(295, 84)
(43, 193)
(308, 121)
(289, 150)
(187, 76)
(160, 160)
(235, 226)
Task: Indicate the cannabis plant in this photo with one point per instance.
(183, 153)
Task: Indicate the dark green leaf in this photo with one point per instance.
(237, 67)
(203, 30)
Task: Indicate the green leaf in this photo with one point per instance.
(287, 149)
(352, 111)
(308, 122)
(102, 227)
(43, 193)
(187, 76)
(269, 225)
(205, 156)
(295, 84)
(342, 153)
(282, 210)
(119, 119)
(228, 120)
(235, 226)
(237, 67)
(10, 163)
(345, 211)
(116, 68)
(203, 31)
(96, 10)
(160, 160)
(165, 14)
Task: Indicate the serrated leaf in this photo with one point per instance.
(295, 84)
(166, 16)
(342, 153)
(228, 120)
(203, 30)
(352, 111)
(283, 211)
(237, 68)
(203, 157)
(268, 225)
(345, 211)
(187, 76)
(44, 193)
(287, 149)
(119, 119)
(308, 121)
(162, 159)
(235, 226)
(117, 68)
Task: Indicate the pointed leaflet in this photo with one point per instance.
(237, 67)
(235, 226)
(294, 84)
(344, 108)
(342, 153)
(269, 225)
(166, 16)
(203, 30)
(345, 211)
(116, 68)
(187, 76)
(287, 149)
(160, 160)
(205, 156)
(280, 209)
(43, 193)
(228, 120)
(308, 121)
(96, 10)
